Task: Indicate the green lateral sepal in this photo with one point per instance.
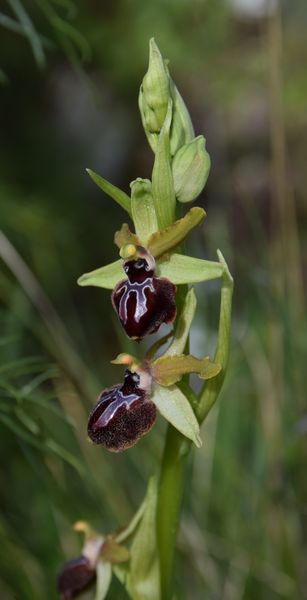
(182, 269)
(105, 277)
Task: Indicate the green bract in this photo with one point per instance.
(175, 407)
(143, 210)
(111, 190)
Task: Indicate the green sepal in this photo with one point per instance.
(162, 178)
(167, 370)
(183, 325)
(106, 277)
(103, 579)
(111, 190)
(124, 236)
(175, 408)
(191, 165)
(143, 210)
(168, 238)
(182, 130)
(182, 269)
(113, 552)
(143, 578)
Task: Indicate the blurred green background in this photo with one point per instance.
(70, 74)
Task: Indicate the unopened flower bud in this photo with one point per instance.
(154, 94)
(191, 166)
(122, 414)
(143, 302)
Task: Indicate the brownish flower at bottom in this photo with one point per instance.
(76, 575)
(122, 415)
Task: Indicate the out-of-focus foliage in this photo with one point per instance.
(243, 76)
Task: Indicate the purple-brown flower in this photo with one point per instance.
(75, 576)
(143, 302)
(122, 415)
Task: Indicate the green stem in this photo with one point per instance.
(169, 504)
(177, 447)
(176, 450)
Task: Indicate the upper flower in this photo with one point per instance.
(146, 297)
(143, 301)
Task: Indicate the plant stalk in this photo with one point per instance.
(177, 447)
(170, 493)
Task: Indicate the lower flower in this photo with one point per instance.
(122, 415)
(76, 575)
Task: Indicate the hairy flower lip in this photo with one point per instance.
(122, 415)
(75, 576)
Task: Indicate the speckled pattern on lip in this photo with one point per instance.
(121, 415)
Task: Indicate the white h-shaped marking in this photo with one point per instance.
(141, 300)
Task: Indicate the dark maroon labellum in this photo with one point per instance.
(143, 302)
(75, 576)
(122, 415)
